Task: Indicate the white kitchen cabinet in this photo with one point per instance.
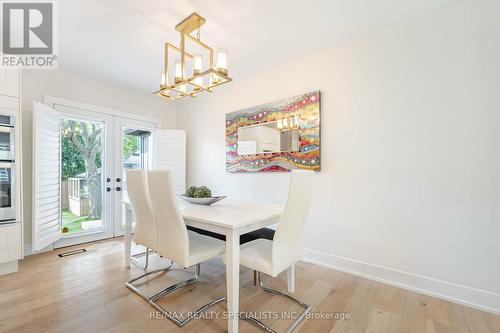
(11, 234)
(10, 242)
(9, 82)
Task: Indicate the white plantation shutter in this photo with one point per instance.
(46, 176)
(171, 155)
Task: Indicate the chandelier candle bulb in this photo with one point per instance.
(198, 81)
(178, 71)
(221, 61)
(182, 88)
(198, 64)
(214, 79)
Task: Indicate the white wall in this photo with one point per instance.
(409, 190)
(36, 83)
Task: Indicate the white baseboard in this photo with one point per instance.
(27, 250)
(476, 298)
(9, 267)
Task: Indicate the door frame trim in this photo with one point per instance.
(51, 101)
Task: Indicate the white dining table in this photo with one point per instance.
(230, 218)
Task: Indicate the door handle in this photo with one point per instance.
(118, 189)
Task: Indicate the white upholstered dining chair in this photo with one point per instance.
(175, 242)
(271, 257)
(145, 224)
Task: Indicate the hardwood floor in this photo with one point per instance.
(86, 293)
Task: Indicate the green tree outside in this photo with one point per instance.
(130, 144)
(81, 153)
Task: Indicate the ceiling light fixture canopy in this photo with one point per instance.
(174, 83)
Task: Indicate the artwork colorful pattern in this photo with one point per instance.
(306, 107)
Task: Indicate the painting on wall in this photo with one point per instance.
(275, 137)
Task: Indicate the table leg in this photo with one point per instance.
(128, 235)
(233, 280)
(290, 276)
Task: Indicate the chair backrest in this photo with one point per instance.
(288, 240)
(173, 240)
(145, 224)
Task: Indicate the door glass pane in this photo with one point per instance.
(135, 149)
(82, 177)
(136, 153)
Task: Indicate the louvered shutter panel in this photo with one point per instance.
(171, 155)
(46, 176)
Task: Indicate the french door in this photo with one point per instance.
(87, 162)
(80, 159)
(134, 149)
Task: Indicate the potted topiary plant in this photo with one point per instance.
(200, 195)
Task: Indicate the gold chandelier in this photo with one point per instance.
(174, 83)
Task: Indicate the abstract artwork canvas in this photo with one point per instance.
(275, 137)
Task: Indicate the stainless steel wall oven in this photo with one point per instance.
(7, 169)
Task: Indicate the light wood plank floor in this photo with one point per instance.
(86, 293)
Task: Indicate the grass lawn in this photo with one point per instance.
(73, 222)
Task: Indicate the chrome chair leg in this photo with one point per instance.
(168, 314)
(137, 255)
(134, 259)
(266, 328)
(130, 285)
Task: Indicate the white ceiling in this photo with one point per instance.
(121, 41)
